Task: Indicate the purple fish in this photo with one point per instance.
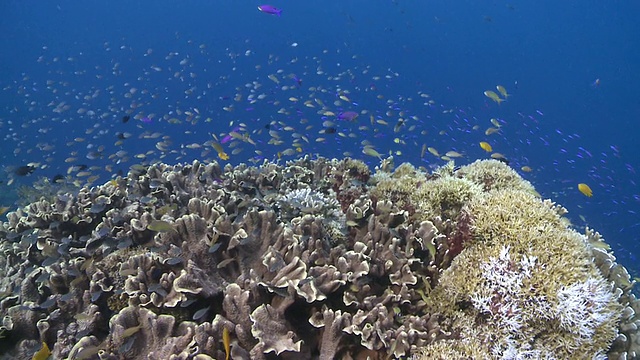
(228, 137)
(146, 120)
(270, 9)
(348, 115)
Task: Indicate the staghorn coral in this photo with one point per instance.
(527, 284)
(494, 175)
(313, 259)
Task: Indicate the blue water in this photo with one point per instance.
(548, 55)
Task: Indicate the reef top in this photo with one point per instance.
(317, 258)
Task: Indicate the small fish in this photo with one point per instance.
(87, 353)
(24, 170)
(503, 159)
(348, 115)
(221, 154)
(225, 262)
(82, 317)
(57, 179)
(160, 226)
(270, 9)
(127, 272)
(130, 331)
(43, 353)
(226, 341)
(502, 91)
(526, 168)
(228, 137)
(486, 146)
(491, 130)
(453, 154)
(493, 96)
(200, 314)
(3, 210)
(125, 119)
(585, 190)
(371, 152)
(165, 209)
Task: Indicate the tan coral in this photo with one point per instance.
(494, 175)
(270, 328)
(516, 225)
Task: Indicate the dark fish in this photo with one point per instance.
(125, 119)
(24, 170)
(504, 160)
(57, 178)
(330, 130)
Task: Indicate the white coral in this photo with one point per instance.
(309, 201)
(582, 306)
(504, 299)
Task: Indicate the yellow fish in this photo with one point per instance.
(223, 155)
(486, 146)
(3, 210)
(493, 96)
(43, 353)
(502, 91)
(226, 341)
(585, 190)
(160, 226)
(526, 168)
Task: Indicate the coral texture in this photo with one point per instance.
(316, 259)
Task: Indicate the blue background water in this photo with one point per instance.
(547, 54)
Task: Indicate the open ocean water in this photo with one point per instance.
(210, 79)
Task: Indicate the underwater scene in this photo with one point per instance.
(386, 179)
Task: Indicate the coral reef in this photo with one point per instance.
(316, 259)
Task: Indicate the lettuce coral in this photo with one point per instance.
(317, 258)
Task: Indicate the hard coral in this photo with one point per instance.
(517, 283)
(314, 259)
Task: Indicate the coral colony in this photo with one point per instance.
(315, 259)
